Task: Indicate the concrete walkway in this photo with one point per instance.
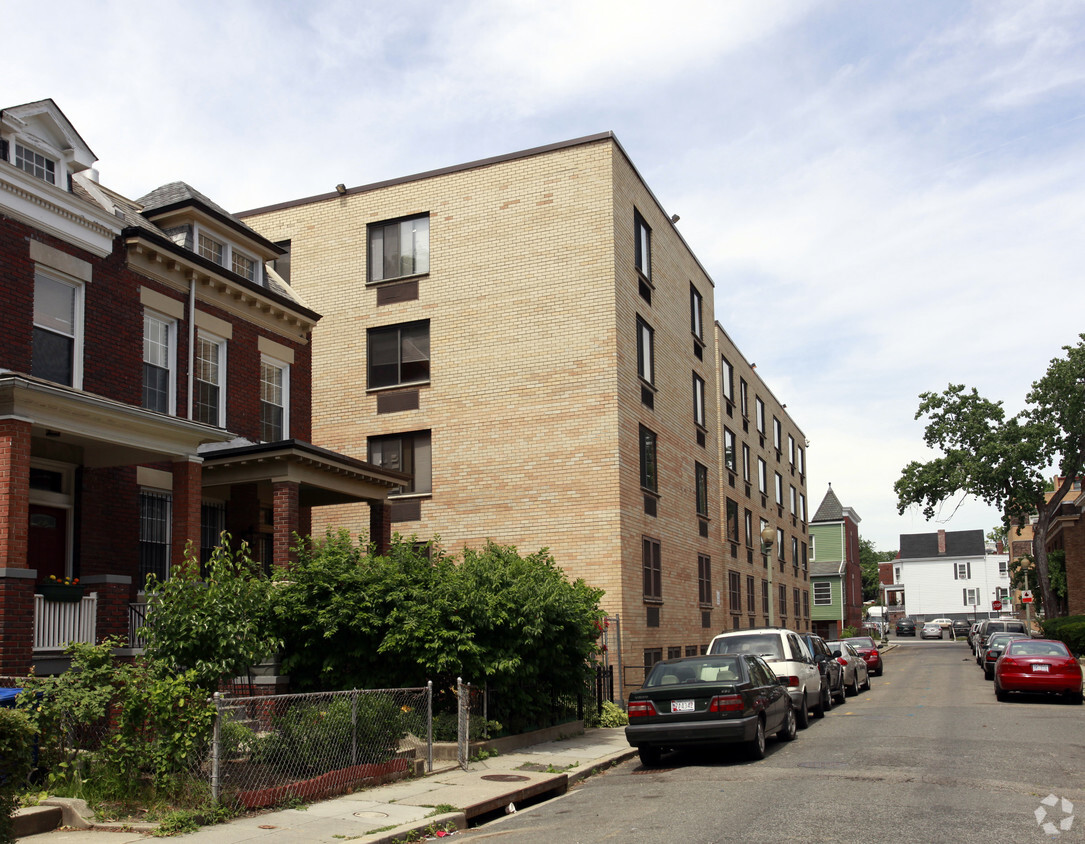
(383, 814)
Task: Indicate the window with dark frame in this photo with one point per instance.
(730, 459)
(212, 525)
(651, 559)
(743, 395)
(701, 478)
(645, 351)
(696, 313)
(649, 468)
(764, 595)
(398, 354)
(734, 591)
(760, 420)
(795, 599)
(805, 604)
(728, 379)
(409, 453)
(749, 529)
(745, 463)
(698, 401)
(782, 597)
(642, 246)
(399, 248)
(732, 521)
(704, 579)
(751, 597)
(777, 434)
(155, 534)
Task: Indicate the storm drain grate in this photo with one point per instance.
(505, 778)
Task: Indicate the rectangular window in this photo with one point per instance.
(743, 398)
(696, 315)
(701, 476)
(800, 464)
(762, 476)
(642, 248)
(802, 507)
(410, 453)
(745, 463)
(962, 571)
(728, 376)
(698, 401)
(243, 265)
(777, 434)
(730, 459)
(782, 595)
(764, 595)
(802, 552)
(645, 351)
(398, 354)
(649, 469)
(210, 405)
(897, 574)
(652, 567)
(795, 599)
(210, 249)
(274, 403)
(56, 354)
(35, 164)
(971, 597)
(155, 521)
(212, 524)
(823, 593)
(749, 529)
(795, 550)
(760, 407)
(791, 449)
(732, 521)
(781, 551)
(1003, 568)
(158, 358)
(399, 248)
(734, 591)
(704, 579)
(794, 500)
(805, 604)
(751, 597)
(651, 657)
(779, 488)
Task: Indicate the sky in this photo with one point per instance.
(889, 196)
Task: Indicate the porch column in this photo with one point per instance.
(286, 521)
(16, 580)
(380, 526)
(187, 496)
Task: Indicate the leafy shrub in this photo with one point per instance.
(611, 716)
(16, 759)
(1069, 630)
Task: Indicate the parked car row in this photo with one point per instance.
(751, 684)
(1016, 662)
(938, 628)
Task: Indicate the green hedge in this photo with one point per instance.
(1069, 630)
(16, 758)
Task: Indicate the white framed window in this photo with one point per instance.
(744, 398)
(57, 348)
(274, 400)
(897, 573)
(243, 265)
(971, 597)
(962, 571)
(36, 164)
(813, 548)
(159, 363)
(698, 401)
(399, 248)
(1003, 568)
(781, 551)
(823, 593)
(211, 249)
(210, 378)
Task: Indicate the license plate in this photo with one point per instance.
(1036, 666)
(682, 706)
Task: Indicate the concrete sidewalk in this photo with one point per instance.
(383, 814)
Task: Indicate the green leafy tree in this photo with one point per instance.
(869, 557)
(1001, 460)
(213, 623)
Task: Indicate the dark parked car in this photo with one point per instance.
(832, 673)
(961, 627)
(996, 625)
(712, 699)
(906, 626)
(868, 650)
(996, 643)
(1038, 665)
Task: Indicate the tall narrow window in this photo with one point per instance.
(155, 521)
(645, 351)
(749, 529)
(760, 415)
(744, 398)
(781, 549)
(791, 449)
(698, 401)
(158, 358)
(642, 248)
(652, 567)
(732, 521)
(56, 352)
(727, 374)
(410, 453)
(745, 463)
(734, 591)
(212, 524)
(794, 501)
(398, 249)
(274, 394)
(210, 405)
(751, 598)
(649, 470)
(399, 354)
(701, 475)
(696, 315)
(704, 579)
(779, 489)
(729, 457)
(762, 476)
(777, 434)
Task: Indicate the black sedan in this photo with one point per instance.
(712, 699)
(906, 626)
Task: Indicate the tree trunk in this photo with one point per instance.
(1039, 553)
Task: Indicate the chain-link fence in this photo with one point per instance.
(267, 750)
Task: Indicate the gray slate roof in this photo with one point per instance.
(830, 509)
(826, 568)
(959, 543)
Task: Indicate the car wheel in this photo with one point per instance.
(1000, 693)
(1075, 698)
(825, 702)
(802, 715)
(649, 755)
(866, 683)
(842, 692)
(756, 748)
(988, 672)
(878, 670)
(855, 684)
(790, 729)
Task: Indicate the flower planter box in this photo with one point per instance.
(57, 592)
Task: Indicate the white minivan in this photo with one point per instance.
(787, 656)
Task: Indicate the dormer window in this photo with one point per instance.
(35, 164)
(211, 249)
(244, 266)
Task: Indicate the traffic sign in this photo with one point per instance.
(1026, 597)
(996, 605)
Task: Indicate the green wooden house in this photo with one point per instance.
(836, 581)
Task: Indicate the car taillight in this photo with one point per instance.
(1008, 663)
(726, 703)
(874, 652)
(793, 682)
(841, 660)
(991, 656)
(641, 708)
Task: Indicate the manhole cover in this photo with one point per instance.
(505, 778)
(371, 815)
(823, 764)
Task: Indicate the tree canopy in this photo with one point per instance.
(869, 557)
(1004, 461)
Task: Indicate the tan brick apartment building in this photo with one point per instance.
(527, 336)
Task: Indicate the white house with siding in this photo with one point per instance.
(949, 574)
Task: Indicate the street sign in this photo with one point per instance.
(996, 605)
(1026, 597)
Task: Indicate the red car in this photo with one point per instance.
(1038, 665)
(868, 650)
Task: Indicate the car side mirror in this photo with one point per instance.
(836, 654)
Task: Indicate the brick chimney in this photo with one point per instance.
(941, 541)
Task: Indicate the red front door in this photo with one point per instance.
(47, 541)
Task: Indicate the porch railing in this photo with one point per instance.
(56, 623)
(137, 617)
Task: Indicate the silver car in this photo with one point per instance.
(931, 630)
(856, 673)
